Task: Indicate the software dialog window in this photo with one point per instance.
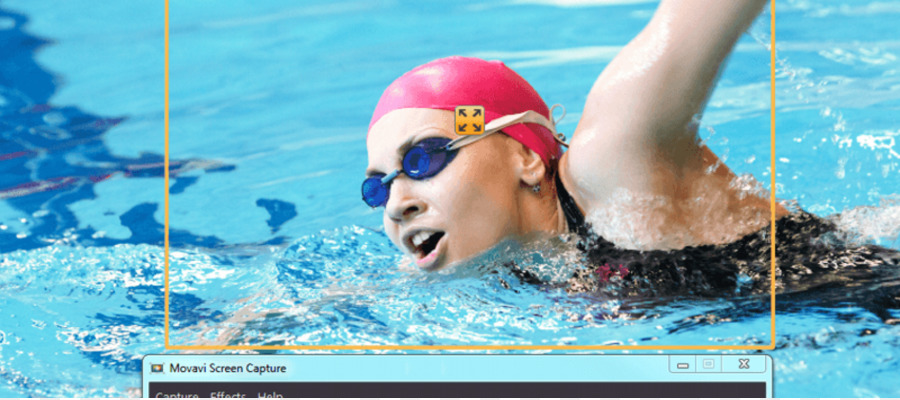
(466, 376)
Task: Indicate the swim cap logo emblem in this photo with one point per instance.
(469, 120)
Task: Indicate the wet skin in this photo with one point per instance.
(480, 198)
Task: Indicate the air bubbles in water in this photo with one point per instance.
(841, 171)
(54, 118)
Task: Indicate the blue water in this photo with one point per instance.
(270, 242)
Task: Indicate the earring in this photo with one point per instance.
(536, 188)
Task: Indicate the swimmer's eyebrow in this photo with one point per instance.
(401, 151)
(370, 172)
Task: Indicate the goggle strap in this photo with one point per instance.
(559, 136)
(467, 140)
(503, 122)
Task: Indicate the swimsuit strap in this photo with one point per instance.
(574, 217)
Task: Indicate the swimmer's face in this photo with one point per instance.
(465, 209)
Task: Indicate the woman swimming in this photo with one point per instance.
(635, 182)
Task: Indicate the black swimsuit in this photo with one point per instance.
(574, 217)
(809, 255)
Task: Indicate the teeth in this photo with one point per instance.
(420, 238)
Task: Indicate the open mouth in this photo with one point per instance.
(425, 245)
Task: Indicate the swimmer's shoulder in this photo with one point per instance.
(634, 161)
(704, 204)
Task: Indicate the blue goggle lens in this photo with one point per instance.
(374, 193)
(424, 160)
(427, 158)
(416, 162)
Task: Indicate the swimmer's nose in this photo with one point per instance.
(403, 204)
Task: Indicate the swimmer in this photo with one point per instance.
(635, 177)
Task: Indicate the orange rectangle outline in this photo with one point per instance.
(770, 346)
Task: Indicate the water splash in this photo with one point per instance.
(878, 224)
(884, 142)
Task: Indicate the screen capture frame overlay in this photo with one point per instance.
(772, 206)
(316, 372)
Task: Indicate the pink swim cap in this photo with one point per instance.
(448, 82)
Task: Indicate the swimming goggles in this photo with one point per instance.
(430, 156)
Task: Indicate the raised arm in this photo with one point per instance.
(638, 131)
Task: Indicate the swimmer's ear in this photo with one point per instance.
(531, 166)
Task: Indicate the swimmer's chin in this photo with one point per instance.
(444, 264)
(409, 263)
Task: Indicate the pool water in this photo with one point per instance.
(271, 244)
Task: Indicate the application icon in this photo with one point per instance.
(469, 120)
(156, 368)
